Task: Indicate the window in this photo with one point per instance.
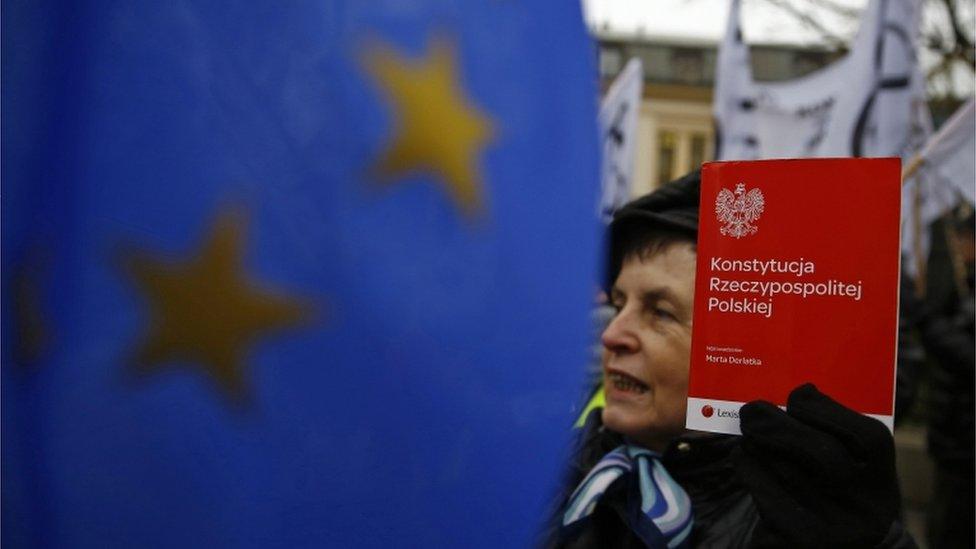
(667, 148)
(697, 151)
(656, 61)
(610, 61)
(687, 65)
(679, 151)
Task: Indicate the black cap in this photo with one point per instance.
(674, 206)
(671, 208)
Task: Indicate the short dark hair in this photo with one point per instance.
(643, 242)
(653, 222)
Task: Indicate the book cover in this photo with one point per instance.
(797, 281)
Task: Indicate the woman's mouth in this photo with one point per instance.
(626, 383)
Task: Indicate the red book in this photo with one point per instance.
(797, 281)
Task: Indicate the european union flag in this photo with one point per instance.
(309, 274)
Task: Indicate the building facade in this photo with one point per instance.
(675, 133)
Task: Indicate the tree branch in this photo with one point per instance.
(839, 9)
(963, 46)
(810, 21)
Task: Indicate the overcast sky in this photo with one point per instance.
(705, 19)
(762, 23)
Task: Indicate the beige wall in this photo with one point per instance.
(685, 124)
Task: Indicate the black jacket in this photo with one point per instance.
(946, 331)
(948, 338)
(724, 513)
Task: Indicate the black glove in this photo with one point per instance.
(821, 475)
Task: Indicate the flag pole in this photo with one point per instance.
(913, 165)
(958, 268)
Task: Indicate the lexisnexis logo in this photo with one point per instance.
(739, 210)
(709, 411)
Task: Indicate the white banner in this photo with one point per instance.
(951, 153)
(735, 95)
(899, 121)
(947, 173)
(618, 127)
(818, 114)
(868, 103)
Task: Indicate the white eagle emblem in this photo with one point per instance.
(739, 211)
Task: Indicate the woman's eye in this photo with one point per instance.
(662, 313)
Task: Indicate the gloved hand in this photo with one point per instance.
(821, 474)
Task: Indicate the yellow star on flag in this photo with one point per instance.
(437, 128)
(203, 312)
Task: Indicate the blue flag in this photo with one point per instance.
(292, 275)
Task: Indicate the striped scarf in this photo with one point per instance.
(665, 517)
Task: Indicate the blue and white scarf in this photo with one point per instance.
(665, 517)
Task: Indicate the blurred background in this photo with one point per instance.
(678, 43)
(677, 126)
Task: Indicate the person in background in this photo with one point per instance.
(815, 475)
(946, 331)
